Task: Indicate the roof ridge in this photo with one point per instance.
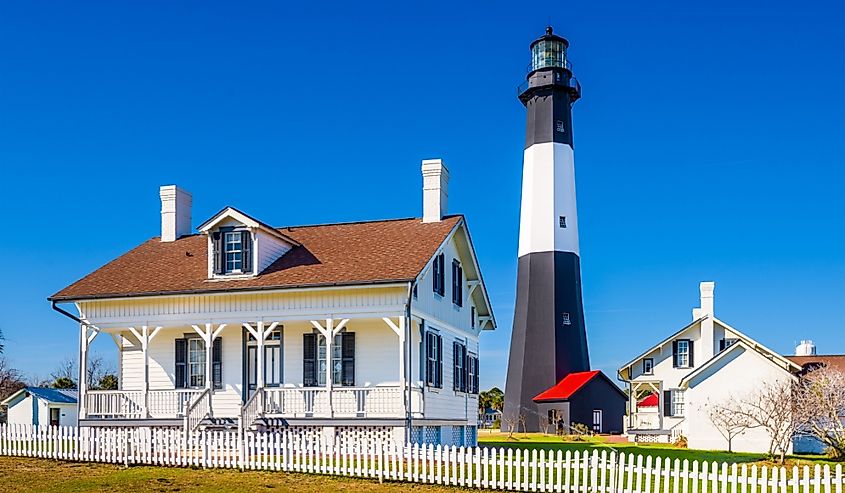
(368, 221)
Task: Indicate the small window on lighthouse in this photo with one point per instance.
(559, 126)
(566, 320)
(562, 221)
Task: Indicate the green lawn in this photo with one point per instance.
(551, 442)
(25, 475)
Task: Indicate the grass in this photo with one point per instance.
(44, 475)
(551, 442)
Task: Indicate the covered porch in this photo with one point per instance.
(188, 373)
(645, 404)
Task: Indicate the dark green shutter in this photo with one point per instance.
(246, 246)
(309, 360)
(181, 369)
(217, 251)
(429, 350)
(674, 354)
(456, 378)
(438, 368)
(667, 403)
(465, 371)
(347, 348)
(691, 358)
(475, 379)
(217, 363)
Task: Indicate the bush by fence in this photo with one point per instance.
(490, 468)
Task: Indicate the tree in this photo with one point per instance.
(727, 420)
(108, 382)
(770, 407)
(63, 383)
(819, 407)
(97, 369)
(10, 379)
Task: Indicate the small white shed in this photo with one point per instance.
(42, 406)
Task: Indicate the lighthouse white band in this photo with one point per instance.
(548, 194)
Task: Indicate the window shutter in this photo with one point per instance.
(674, 354)
(348, 354)
(439, 366)
(667, 403)
(217, 252)
(456, 377)
(217, 363)
(309, 360)
(691, 357)
(476, 369)
(465, 386)
(181, 369)
(429, 370)
(246, 244)
(721, 344)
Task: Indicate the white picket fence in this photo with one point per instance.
(490, 468)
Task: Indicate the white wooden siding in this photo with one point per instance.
(270, 249)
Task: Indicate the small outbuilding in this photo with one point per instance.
(588, 398)
(42, 406)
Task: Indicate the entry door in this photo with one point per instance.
(54, 416)
(272, 367)
(597, 421)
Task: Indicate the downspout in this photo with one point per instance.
(409, 359)
(78, 320)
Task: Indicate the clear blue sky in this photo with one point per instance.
(710, 145)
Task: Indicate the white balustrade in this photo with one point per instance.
(380, 401)
(645, 421)
(129, 404)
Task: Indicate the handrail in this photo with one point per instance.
(197, 410)
(253, 408)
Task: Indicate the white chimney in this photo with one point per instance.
(435, 190)
(806, 348)
(708, 333)
(175, 212)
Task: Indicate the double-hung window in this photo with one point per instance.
(457, 283)
(459, 372)
(433, 359)
(648, 366)
(682, 353)
(234, 249)
(677, 402)
(439, 274)
(196, 363)
(337, 361)
(472, 374)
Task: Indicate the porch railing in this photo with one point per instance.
(198, 409)
(645, 421)
(130, 404)
(340, 402)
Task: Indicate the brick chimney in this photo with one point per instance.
(175, 212)
(435, 190)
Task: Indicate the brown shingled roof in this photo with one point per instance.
(836, 361)
(330, 254)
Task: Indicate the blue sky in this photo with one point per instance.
(710, 145)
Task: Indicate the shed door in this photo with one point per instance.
(597, 421)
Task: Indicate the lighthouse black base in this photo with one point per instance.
(548, 341)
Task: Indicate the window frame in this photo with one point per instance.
(189, 374)
(439, 275)
(686, 353)
(650, 370)
(433, 359)
(226, 252)
(457, 283)
(337, 360)
(677, 403)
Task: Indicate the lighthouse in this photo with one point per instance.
(549, 340)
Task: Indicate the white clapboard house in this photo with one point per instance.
(354, 330)
(707, 362)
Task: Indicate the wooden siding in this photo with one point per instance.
(291, 304)
(269, 249)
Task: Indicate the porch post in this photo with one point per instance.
(329, 335)
(85, 339)
(145, 337)
(259, 370)
(208, 335)
(83, 366)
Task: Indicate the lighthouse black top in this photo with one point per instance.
(549, 91)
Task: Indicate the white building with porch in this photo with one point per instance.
(366, 329)
(671, 384)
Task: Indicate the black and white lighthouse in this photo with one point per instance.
(549, 340)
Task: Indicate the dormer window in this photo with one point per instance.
(234, 248)
(232, 251)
